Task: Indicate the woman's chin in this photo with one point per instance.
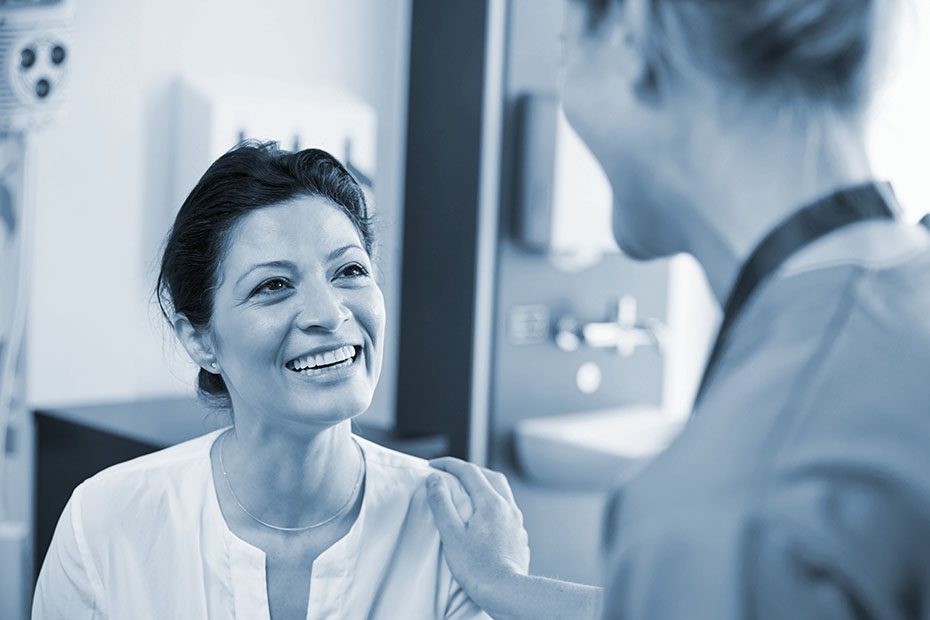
(325, 414)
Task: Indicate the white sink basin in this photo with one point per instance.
(594, 450)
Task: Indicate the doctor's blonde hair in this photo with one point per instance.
(804, 51)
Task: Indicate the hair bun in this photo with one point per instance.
(212, 386)
(818, 47)
(811, 49)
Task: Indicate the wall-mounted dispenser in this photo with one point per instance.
(213, 117)
(565, 200)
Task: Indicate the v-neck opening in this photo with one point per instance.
(248, 563)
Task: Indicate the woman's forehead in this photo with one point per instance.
(306, 227)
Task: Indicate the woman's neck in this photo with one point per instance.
(758, 177)
(290, 479)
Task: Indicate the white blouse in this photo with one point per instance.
(146, 539)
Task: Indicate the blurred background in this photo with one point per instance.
(518, 335)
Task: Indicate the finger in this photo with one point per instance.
(502, 486)
(500, 483)
(447, 518)
(496, 479)
(476, 485)
(443, 462)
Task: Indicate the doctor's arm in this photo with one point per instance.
(489, 554)
(711, 561)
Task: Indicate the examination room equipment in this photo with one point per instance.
(35, 68)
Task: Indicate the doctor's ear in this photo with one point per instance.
(197, 342)
(626, 32)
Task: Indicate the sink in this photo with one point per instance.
(593, 450)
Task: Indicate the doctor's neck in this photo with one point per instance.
(751, 175)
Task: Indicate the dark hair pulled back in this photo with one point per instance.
(251, 176)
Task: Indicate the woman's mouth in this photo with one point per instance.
(325, 361)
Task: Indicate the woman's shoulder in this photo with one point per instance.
(382, 456)
(404, 476)
(163, 461)
(148, 482)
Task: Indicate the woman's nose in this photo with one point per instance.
(323, 309)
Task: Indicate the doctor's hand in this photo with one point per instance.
(490, 551)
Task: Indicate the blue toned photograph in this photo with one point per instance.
(465, 310)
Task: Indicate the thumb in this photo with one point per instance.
(447, 518)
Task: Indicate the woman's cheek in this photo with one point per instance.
(373, 322)
(372, 313)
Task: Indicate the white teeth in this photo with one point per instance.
(327, 358)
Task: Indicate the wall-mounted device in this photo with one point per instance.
(35, 61)
(213, 117)
(624, 332)
(565, 200)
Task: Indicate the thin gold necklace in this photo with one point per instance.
(303, 528)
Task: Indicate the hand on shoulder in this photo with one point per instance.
(486, 549)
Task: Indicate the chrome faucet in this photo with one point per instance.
(624, 333)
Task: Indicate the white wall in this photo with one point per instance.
(693, 320)
(104, 174)
(900, 123)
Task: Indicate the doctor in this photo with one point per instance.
(734, 131)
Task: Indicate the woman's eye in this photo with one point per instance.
(271, 286)
(353, 271)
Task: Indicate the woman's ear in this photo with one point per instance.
(198, 343)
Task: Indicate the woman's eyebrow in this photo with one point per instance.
(274, 263)
(339, 252)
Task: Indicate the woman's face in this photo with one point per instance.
(632, 135)
(298, 319)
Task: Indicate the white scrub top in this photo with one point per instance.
(146, 539)
(801, 487)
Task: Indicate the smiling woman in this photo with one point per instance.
(267, 282)
(294, 288)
